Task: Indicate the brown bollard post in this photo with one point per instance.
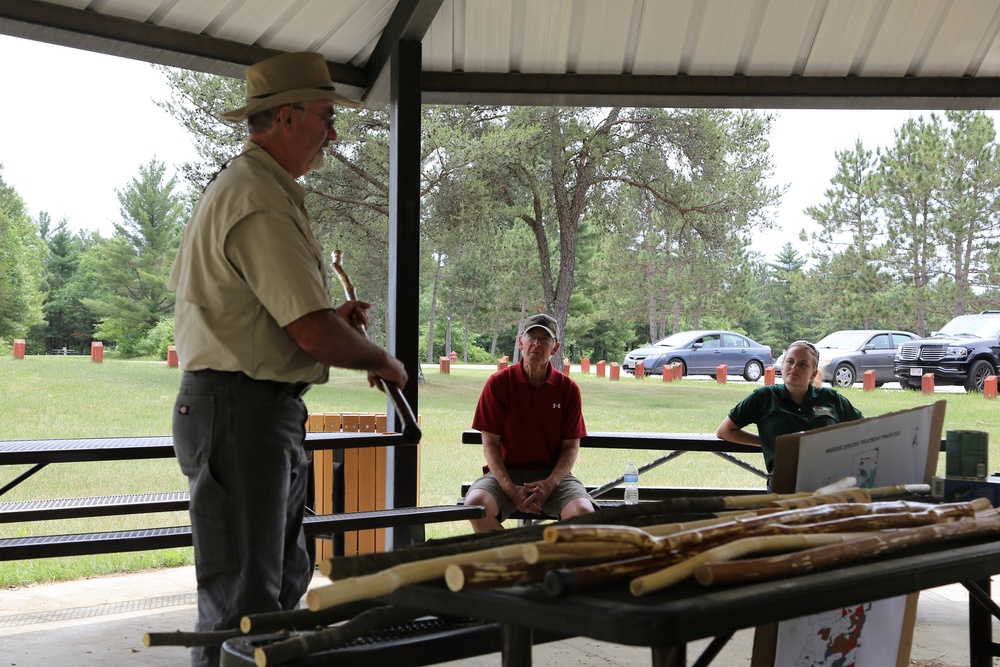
(19, 348)
(172, 361)
(990, 387)
(585, 365)
(927, 383)
(769, 376)
(668, 372)
(444, 365)
(502, 363)
(720, 373)
(97, 351)
(600, 368)
(868, 380)
(640, 370)
(615, 370)
(565, 366)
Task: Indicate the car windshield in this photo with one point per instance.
(674, 340)
(844, 340)
(972, 326)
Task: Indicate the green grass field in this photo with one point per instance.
(72, 397)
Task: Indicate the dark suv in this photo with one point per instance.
(965, 351)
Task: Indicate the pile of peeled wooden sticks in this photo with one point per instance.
(785, 537)
(648, 547)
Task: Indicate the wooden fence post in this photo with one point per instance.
(990, 387)
(868, 380)
(720, 373)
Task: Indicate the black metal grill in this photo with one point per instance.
(913, 352)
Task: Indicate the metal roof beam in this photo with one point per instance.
(769, 92)
(409, 22)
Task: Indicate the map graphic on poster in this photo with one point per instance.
(833, 637)
(857, 635)
(865, 467)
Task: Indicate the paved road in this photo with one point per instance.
(575, 369)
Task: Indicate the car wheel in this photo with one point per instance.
(843, 376)
(684, 368)
(980, 370)
(753, 371)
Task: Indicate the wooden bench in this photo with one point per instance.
(144, 539)
(40, 453)
(676, 443)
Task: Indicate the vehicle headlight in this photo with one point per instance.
(960, 352)
(823, 363)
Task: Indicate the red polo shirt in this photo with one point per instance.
(532, 422)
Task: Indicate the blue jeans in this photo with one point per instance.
(240, 443)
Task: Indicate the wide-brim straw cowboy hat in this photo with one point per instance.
(284, 79)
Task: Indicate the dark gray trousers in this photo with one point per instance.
(240, 443)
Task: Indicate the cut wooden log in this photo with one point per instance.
(299, 646)
(810, 560)
(385, 582)
(685, 569)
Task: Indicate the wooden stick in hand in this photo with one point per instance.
(411, 431)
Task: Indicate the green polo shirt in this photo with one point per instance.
(248, 265)
(774, 413)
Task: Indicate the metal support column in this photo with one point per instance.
(404, 257)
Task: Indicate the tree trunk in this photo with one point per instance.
(434, 294)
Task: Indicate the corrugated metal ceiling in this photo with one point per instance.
(750, 53)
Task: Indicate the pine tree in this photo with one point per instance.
(133, 266)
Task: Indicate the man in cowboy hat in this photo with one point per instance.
(531, 419)
(254, 329)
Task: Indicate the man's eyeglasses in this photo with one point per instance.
(328, 121)
(538, 340)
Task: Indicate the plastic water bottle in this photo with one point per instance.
(631, 484)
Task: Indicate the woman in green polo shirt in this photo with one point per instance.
(779, 409)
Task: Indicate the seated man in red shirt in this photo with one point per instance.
(531, 419)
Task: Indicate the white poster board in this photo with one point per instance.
(896, 448)
(881, 451)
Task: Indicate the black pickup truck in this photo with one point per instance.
(965, 352)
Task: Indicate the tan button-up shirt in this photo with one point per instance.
(247, 266)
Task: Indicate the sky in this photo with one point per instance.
(78, 125)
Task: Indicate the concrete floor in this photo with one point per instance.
(100, 622)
